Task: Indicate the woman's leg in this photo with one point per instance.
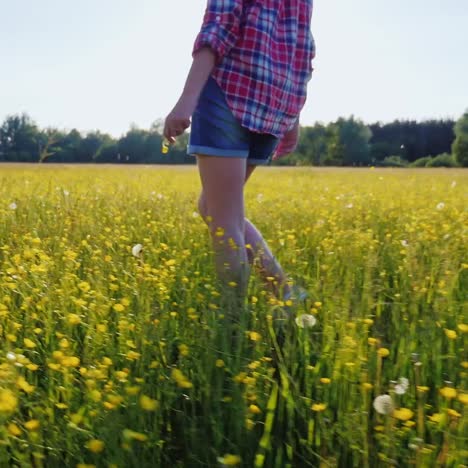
(268, 265)
(223, 191)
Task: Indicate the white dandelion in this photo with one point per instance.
(383, 404)
(136, 250)
(402, 386)
(13, 206)
(440, 206)
(305, 321)
(404, 243)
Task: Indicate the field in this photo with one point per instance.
(115, 357)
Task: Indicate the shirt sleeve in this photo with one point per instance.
(220, 28)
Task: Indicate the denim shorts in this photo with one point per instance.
(215, 131)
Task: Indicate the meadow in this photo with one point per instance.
(114, 352)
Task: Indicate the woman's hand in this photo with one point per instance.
(288, 143)
(178, 119)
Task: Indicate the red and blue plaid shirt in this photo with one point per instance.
(264, 52)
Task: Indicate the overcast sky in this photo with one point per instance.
(105, 64)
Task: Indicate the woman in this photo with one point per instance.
(243, 95)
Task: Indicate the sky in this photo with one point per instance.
(109, 64)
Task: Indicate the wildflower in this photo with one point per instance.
(463, 398)
(148, 404)
(254, 336)
(402, 386)
(32, 425)
(422, 389)
(136, 250)
(306, 321)
(254, 409)
(219, 363)
(128, 434)
(95, 445)
(453, 413)
(230, 460)
(448, 392)
(13, 206)
(183, 350)
(383, 404)
(403, 414)
(372, 341)
(325, 380)
(440, 206)
(14, 430)
(73, 319)
(450, 334)
(367, 386)
(383, 352)
(463, 327)
(23, 384)
(436, 417)
(29, 343)
(11, 356)
(118, 307)
(180, 379)
(318, 407)
(8, 401)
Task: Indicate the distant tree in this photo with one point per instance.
(460, 145)
(443, 160)
(19, 138)
(348, 142)
(421, 162)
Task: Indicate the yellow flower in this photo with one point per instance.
(254, 336)
(8, 401)
(230, 460)
(436, 417)
(71, 361)
(183, 350)
(453, 413)
(317, 407)
(450, 334)
(367, 386)
(448, 392)
(463, 327)
(180, 379)
(32, 425)
(23, 384)
(95, 445)
(383, 352)
(128, 434)
(254, 409)
(118, 307)
(325, 380)
(403, 414)
(73, 319)
(14, 430)
(29, 343)
(372, 341)
(422, 389)
(148, 404)
(463, 397)
(219, 363)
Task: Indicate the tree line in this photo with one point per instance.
(346, 142)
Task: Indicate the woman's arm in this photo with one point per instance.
(179, 118)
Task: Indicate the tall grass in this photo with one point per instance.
(116, 358)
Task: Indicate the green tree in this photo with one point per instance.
(19, 139)
(460, 145)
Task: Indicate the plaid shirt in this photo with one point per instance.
(264, 52)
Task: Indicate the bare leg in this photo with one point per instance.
(223, 188)
(268, 265)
